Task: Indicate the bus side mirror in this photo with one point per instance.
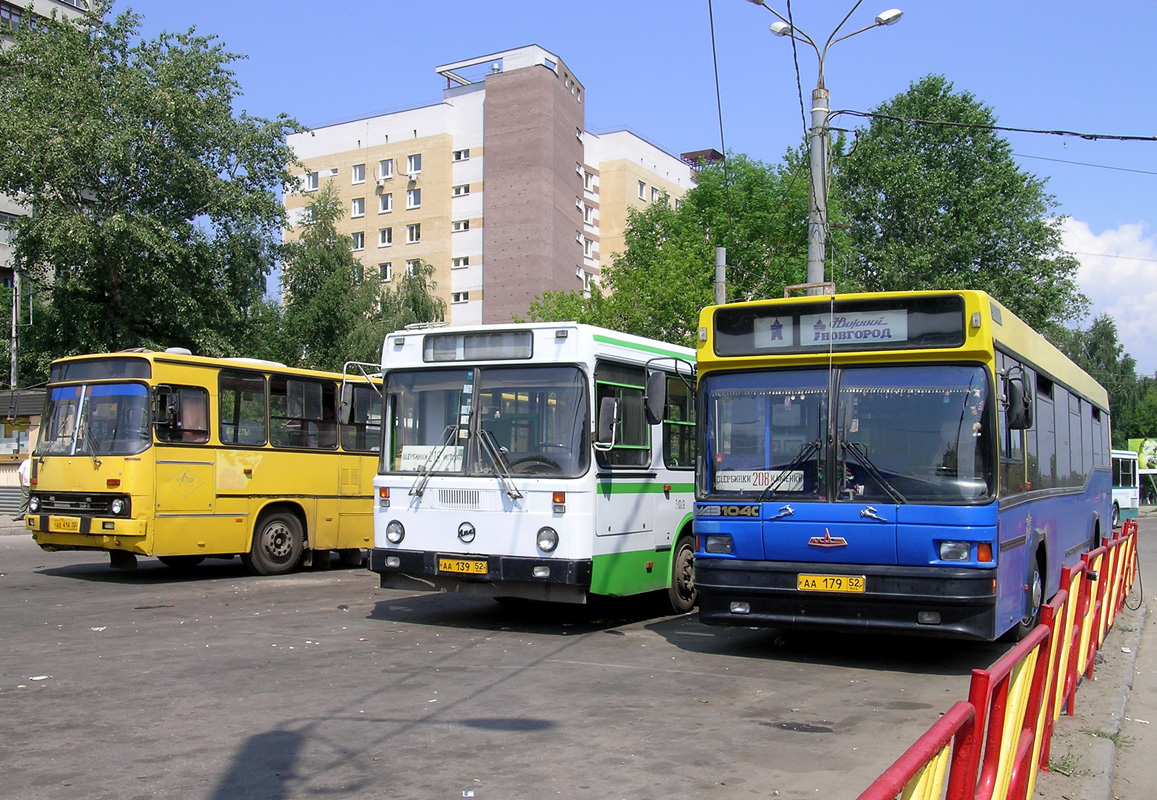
(655, 401)
(166, 408)
(1019, 402)
(609, 416)
(346, 411)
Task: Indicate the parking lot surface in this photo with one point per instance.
(217, 684)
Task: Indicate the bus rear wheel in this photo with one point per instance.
(1116, 516)
(682, 594)
(277, 544)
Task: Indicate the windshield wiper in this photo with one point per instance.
(857, 451)
(432, 459)
(806, 451)
(501, 467)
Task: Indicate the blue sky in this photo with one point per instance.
(647, 65)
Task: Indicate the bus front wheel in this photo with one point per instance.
(1116, 516)
(1034, 599)
(277, 544)
(681, 594)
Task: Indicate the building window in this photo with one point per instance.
(414, 233)
(359, 273)
(588, 214)
(642, 191)
(461, 225)
(385, 237)
(460, 261)
(588, 247)
(578, 134)
(414, 164)
(589, 181)
(386, 168)
(358, 207)
(460, 297)
(655, 194)
(359, 173)
(413, 198)
(7, 223)
(386, 272)
(385, 203)
(411, 265)
(461, 190)
(462, 155)
(359, 240)
(311, 182)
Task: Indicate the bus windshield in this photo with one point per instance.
(103, 419)
(531, 420)
(896, 434)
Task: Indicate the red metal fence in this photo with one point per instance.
(992, 746)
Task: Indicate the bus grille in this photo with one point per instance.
(69, 503)
(470, 499)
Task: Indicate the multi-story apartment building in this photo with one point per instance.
(499, 187)
(14, 13)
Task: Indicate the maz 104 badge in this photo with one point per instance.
(758, 480)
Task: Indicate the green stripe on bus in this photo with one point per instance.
(643, 347)
(649, 487)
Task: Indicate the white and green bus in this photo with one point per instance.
(518, 461)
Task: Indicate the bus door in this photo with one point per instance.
(185, 473)
(624, 504)
(361, 433)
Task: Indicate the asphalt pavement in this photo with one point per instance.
(1105, 750)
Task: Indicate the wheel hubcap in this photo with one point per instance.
(277, 541)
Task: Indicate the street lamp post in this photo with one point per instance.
(818, 135)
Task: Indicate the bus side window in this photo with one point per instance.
(632, 444)
(242, 407)
(679, 425)
(182, 414)
(1013, 475)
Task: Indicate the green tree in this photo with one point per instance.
(666, 274)
(154, 216)
(333, 312)
(934, 200)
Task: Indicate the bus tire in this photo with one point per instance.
(1034, 599)
(1116, 516)
(682, 594)
(350, 558)
(180, 562)
(277, 544)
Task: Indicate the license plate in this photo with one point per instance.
(830, 583)
(464, 566)
(65, 524)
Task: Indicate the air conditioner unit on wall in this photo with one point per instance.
(411, 176)
(381, 181)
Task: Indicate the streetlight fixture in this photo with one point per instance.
(818, 196)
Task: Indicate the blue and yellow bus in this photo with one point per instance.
(917, 462)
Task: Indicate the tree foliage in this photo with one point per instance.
(666, 274)
(333, 312)
(154, 216)
(944, 206)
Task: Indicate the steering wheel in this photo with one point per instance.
(534, 464)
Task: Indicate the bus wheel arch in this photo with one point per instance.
(681, 593)
(278, 541)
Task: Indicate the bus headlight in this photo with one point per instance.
(34, 504)
(395, 532)
(547, 539)
(117, 506)
(716, 544)
(955, 551)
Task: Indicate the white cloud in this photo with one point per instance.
(1119, 275)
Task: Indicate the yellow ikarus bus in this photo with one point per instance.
(184, 458)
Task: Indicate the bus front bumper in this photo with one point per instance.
(930, 601)
(556, 580)
(53, 532)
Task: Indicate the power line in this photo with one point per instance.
(1109, 255)
(1092, 137)
(1086, 164)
